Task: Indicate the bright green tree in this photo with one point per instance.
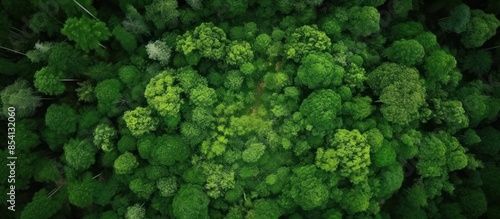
(140, 121)
(47, 81)
(86, 32)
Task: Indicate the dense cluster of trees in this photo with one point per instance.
(252, 109)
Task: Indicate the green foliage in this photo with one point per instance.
(306, 189)
(135, 212)
(80, 193)
(457, 21)
(170, 149)
(239, 53)
(159, 51)
(129, 75)
(127, 40)
(162, 95)
(402, 102)
(405, 52)
(321, 109)
(79, 154)
(353, 154)
(141, 187)
(319, 71)
(139, 121)
(85, 92)
(61, 118)
(86, 32)
(125, 163)
(438, 66)
(104, 135)
(41, 207)
(253, 152)
(480, 28)
(20, 96)
(207, 40)
(167, 186)
(478, 62)
(251, 109)
(190, 203)
(363, 21)
(163, 13)
(47, 81)
(305, 40)
(108, 94)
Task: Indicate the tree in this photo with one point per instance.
(125, 163)
(85, 91)
(390, 73)
(203, 96)
(402, 102)
(219, 179)
(141, 187)
(262, 42)
(253, 152)
(363, 21)
(239, 53)
(79, 154)
(140, 121)
(457, 21)
(307, 190)
(61, 118)
(358, 107)
(320, 109)
(167, 186)
(478, 62)
(66, 59)
(42, 207)
(162, 95)
(134, 22)
(41, 52)
(402, 7)
(405, 52)
(265, 209)
(206, 39)
(20, 96)
(472, 202)
(439, 65)
(305, 40)
(108, 94)
(233, 80)
(135, 212)
(129, 75)
(81, 193)
(190, 203)
(47, 81)
(385, 156)
(163, 13)
(104, 135)
(326, 159)
(407, 30)
(450, 112)
(170, 149)
(480, 28)
(319, 71)
(353, 153)
(355, 200)
(159, 51)
(127, 40)
(86, 32)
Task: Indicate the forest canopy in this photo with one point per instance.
(251, 109)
